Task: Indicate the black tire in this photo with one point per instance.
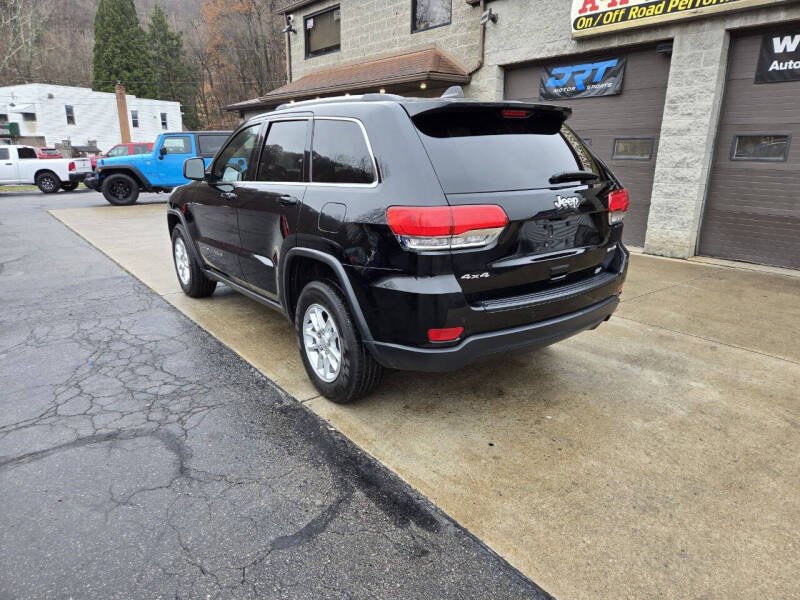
(48, 182)
(120, 189)
(359, 373)
(197, 285)
(69, 186)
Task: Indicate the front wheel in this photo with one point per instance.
(337, 362)
(120, 189)
(48, 182)
(69, 186)
(193, 281)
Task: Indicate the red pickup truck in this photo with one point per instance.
(125, 150)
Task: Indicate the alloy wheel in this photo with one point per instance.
(182, 261)
(322, 343)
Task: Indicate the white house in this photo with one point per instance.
(58, 113)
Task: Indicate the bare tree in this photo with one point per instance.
(21, 25)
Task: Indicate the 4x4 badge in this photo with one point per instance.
(567, 202)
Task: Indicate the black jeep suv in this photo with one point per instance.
(406, 233)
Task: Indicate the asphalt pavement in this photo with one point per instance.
(141, 458)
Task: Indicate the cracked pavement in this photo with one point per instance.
(141, 458)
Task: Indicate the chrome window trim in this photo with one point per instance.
(374, 183)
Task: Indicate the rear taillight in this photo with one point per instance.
(446, 227)
(445, 335)
(618, 203)
(72, 166)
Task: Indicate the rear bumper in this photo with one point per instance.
(534, 335)
(79, 176)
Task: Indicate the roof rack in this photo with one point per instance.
(336, 99)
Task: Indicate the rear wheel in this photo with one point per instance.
(120, 189)
(337, 362)
(69, 186)
(193, 281)
(48, 182)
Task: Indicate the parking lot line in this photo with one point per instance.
(653, 457)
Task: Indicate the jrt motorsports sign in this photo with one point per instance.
(582, 80)
(592, 17)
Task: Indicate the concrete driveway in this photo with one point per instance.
(656, 456)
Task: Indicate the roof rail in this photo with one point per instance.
(334, 99)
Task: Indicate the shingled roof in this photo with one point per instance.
(430, 65)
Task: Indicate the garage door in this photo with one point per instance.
(623, 129)
(752, 210)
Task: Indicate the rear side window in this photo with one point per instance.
(340, 153)
(178, 145)
(26, 153)
(118, 151)
(141, 149)
(4, 154)
(282, 158)
(493, 149)
(209, 144)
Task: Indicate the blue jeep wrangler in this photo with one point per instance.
(121, 178)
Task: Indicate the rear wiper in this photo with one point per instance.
(573, 176)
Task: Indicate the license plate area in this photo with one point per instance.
(562, 233)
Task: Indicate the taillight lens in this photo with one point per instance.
(72, 166)
(618, 203)
(445, 335)
(446, 227)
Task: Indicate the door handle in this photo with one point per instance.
(287, 200)
(229, 195)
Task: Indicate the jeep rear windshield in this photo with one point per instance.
(500, 148)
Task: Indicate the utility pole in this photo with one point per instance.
(122, 112)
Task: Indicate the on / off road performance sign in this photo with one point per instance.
(592, 17)
(779, 58)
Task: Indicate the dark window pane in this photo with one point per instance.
(28, 116)
(135, 118)
(70, 114)
(209, 144)
(4, 154)
(26, 153)
(340, 153)
(431, 13)
(323, 32)
(164, 121)
(231, 164)
(178, 145)
(282, 157)
(761, 147)
(633, 148)
(480, 150)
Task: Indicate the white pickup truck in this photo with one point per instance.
(19, 165)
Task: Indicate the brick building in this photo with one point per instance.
(694, 103)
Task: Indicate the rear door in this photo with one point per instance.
(270, 204)
(558, 232)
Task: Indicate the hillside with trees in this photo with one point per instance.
(204, 53)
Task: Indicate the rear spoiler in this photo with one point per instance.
(550, 118)
(416, 107)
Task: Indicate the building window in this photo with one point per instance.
(164, 121)
(323, 32)
(634, 148)
(135, 118)
(340, 153)
(427, 14)
(760, 147)
(3, 118)
(70, 114)
(28, 116)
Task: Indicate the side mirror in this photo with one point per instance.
(194, 169)
(162, 152)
